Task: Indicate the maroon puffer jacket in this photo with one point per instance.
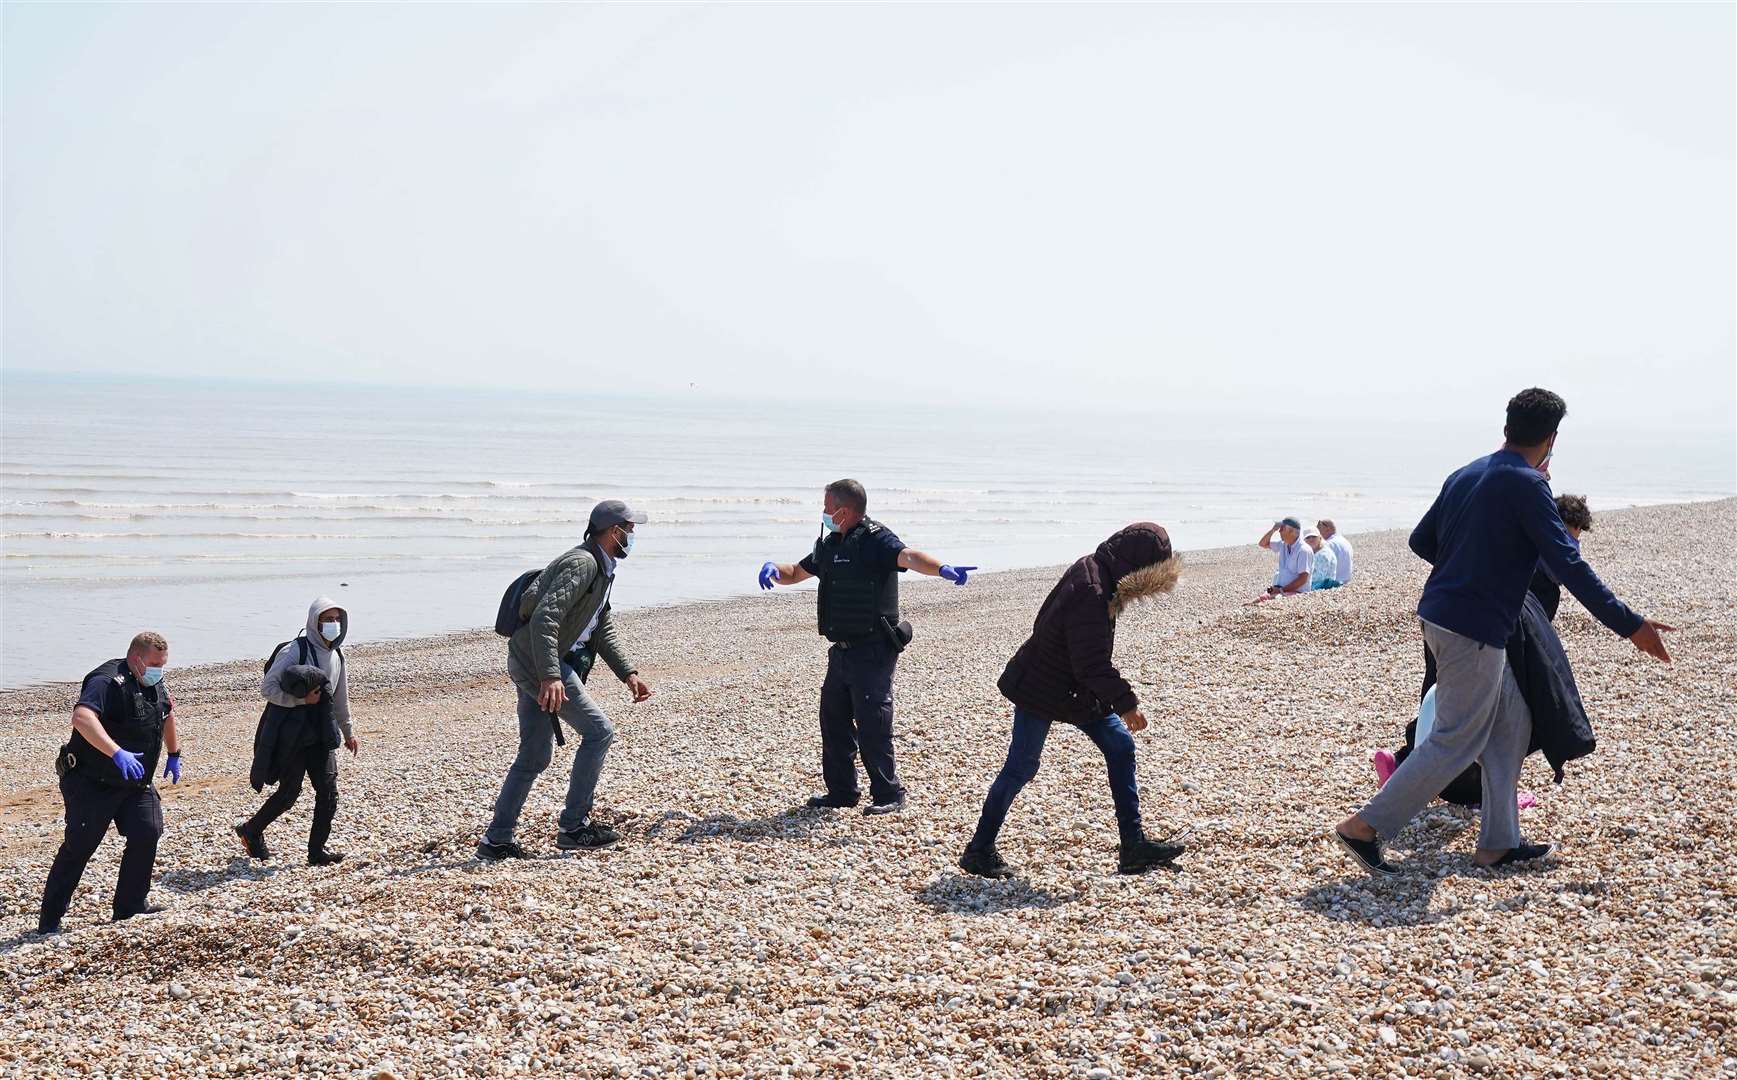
(1065, 670)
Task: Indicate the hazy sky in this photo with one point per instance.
(1343, 207)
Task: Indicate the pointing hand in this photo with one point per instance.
(130, 765)
(957, 574)
(769, 575)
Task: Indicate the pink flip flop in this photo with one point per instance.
(1385, 765)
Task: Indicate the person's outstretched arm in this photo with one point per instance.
(776, 573)
(924, 563)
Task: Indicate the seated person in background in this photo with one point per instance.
(1324, 567)
(1339, 546)
(1295, 559)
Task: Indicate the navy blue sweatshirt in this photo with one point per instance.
(1492, 523)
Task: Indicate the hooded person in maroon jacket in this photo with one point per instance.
(1066, 672)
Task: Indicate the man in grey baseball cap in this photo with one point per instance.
(566, 628)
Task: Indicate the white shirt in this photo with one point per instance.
(1342, 551)
(1294, 559)
(606, 567)
(1322, 568)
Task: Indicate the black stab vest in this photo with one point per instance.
(137, 726)
(853, 597)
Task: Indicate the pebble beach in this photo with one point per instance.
(734, 933)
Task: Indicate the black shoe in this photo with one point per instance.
(1143, 855)
(47, 929)
(324, 857)
(1367, 853)
(586, 836)
(255, 845)
(987, 863)
(1524, 854)
(892, 806)
(496, 852)
(148, 909)
(830, 801)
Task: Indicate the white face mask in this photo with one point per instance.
(331, 630)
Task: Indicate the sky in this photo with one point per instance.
(1330, 210)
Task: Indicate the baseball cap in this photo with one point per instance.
(1291, 522)
(614, 512)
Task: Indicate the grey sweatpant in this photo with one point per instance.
(1480, 715)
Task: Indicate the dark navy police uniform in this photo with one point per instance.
(859, 613)
(96, 796)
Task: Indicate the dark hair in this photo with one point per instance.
(1575, 513)
(1533, 416)
(850, 493)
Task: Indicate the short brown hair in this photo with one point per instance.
(1575, 513)
(1326, 523)
(146, 641)
(850, 493)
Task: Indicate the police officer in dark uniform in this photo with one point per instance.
(858, 562)
(123, 722)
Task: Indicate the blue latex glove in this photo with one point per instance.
(172, 768)
(769, 575)
(130, 765)
(957, 574)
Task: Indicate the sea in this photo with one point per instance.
(214, 512)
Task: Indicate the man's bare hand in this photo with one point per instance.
(1647, 639)
(1136, 720)
(638, 688)
(353, 745)
(313, 698)
(552, 696)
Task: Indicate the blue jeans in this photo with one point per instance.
(536, 746)
(1029, 732)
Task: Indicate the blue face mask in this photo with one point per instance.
(152, 676)
(627, 546)
(827, 525)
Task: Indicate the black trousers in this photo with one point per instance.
(856, 711)
(321, 767)
(91, 807)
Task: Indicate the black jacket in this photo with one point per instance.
(1560, 726)
(1065, 670)
(282, 732)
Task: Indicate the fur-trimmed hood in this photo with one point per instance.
(1147, 581)
(1135, 563)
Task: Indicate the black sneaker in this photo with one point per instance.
(496, 852)
(590, 835)
(892, 806)
(324, 857)
(1367, 853)
(148, 909)
(1525, 854)
(830, 801)
(255, 845)
(1137, 858)
(47, 929)
(987, 863)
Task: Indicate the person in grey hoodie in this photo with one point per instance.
(318, 646)
(566, 624)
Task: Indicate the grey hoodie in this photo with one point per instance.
(321, 653)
